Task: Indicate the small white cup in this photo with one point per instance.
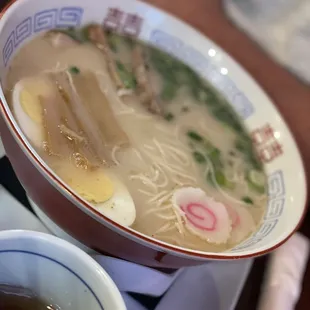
(57, 271)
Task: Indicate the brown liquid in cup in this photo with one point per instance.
(19, 298)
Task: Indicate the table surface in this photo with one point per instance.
(291, 96)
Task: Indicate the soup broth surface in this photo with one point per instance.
(140, 136)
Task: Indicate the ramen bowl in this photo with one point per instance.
(23, 20)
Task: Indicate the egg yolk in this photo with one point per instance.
(29, 97)
(93, 185)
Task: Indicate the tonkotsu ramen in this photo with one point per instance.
(140, 136)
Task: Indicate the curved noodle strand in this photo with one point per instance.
(164, 229)
(113, 155)
(160, 195)
(164, 175)
(145, 193)
(146, 181)
(155, 210)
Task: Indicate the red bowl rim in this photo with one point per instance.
(158, 244)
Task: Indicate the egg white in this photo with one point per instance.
(32, 130)
(120, 207)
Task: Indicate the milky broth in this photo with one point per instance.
(194, 141)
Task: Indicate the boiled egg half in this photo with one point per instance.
(28, 109)
(100, 187)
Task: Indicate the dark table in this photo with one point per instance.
(291, 96)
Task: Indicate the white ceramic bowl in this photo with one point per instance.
(286, 177)
(56, 271)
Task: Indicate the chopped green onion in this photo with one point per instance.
(199, 158)
(225, 114)
(169, 90)
(204, 95)
(215, 157)
(244, 145)
(247, 200)
(74, 70)
(194, 136)
(220, 179)
(169, 116)
(256, 181)
(126, 76)
(169, 68)
(113, 41)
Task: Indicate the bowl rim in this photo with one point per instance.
(134, 235)
(87, 261)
